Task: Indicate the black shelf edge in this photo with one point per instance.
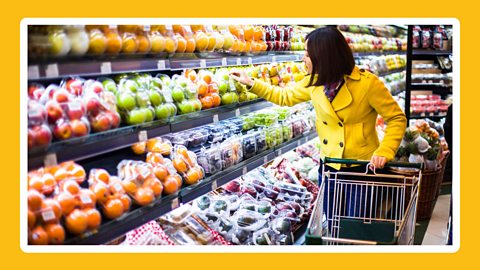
(56, 70)
(417, 52)
(376, 53)
(299, 234)
(433, 87)
(131, 220)
(389, 72)
(438, 117)
(211, 183)
(95, 144)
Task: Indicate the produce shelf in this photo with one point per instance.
(100, 143)
(431, 53)
(111, 230)
(53, 69)
(438, 88)
(433, 117)
(389, 72)
(378, 53)
(211, 183)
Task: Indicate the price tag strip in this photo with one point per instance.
(203, 63)
(106, 68)
(215, 118)
(51, 70)
(161, 65)
(33, 72)
(239, 61)
(214, 185)
(224, 62)
(50, 160)
(175, 203)
(142, 136)
(237, 112)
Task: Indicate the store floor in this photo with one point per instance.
(434, 231)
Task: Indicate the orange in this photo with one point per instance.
(38, 236)
(249, 32)
(248, 46)
(155, 185)
(154, 158)
(201, 41)
(216, 99)
(49, 184)
(144, 44)
(50, 211)
(207, 102)
(100, 190)
(78, 172)
(56, 234)
(241, 45)
(160, 172)
(139, 148)
(126, 201)
(192, 177)
(114, 42)
(179, 180)
(144, 196)
(60, 175)
(207, 78)
(70, 186)
(170, 185)
(179, 165)
(197, 27)
(158, 43)
(102, 175)
(35, 200)
(32, 219)
(67, 165)
(67, 202)
(129, 187)
(93, 218)
(86, 198)
(35, 183)
(181, 45)
(162, 148)
(76, 222)
(151, 143)
(212, 41)
(234, 29)
(178, 29)
(258, 33)
(170, 45)
(199, 171)
(190, 47)
(113, 208)
(202, 88)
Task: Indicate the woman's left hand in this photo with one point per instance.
(378, 161)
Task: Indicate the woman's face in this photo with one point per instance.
(307, 61)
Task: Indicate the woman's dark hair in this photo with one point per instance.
(330, 54)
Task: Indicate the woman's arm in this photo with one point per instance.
(283, 96)
(382, 101)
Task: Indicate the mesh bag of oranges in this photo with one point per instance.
(57, 205)
(110, 195)
(185, 162)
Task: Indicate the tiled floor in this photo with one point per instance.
(437, 227)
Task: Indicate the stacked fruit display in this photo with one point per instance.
(279, 74)
(56, 201)
(206, 86)
(369, 43)
(376, 30)
(185, 162)
(380, 64)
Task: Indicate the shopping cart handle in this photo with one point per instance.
(365, 162)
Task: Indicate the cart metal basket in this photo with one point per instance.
(365, 208)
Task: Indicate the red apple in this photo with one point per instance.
(75, 87)
(100, 123)
(75, 110)
(63, 130)
(35, 91)
(51, 89)
(97, 87)
(79, 128)
(61, 96)
(31, 138)
(54, 111)
(42, 135)
(93, 106)
(36, 113)
(114, 119)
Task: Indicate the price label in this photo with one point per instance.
(215, 118)
(239, 61)
(175, 203)
(214, 185)
(244, 170)
(112, 26)
(237, 112)
(274, 58)
(142, 136)
(265, 159)
(209, 28)
(203, 63)
(118, 187)
(85, 199)
(33, 72)
(51, 70)
(250, 61)
(188, 29)
(106, 67)
(279, 152)
(169, 27)
(267, 238)
(50, 160)
(224, 61)
(161, 65)
(146, 27)
(48, 215)
(299, 143)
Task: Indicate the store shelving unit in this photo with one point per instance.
(136, 217)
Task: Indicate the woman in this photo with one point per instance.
(346, 99)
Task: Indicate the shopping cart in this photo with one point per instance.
(365, 208)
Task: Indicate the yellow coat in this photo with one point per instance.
(346, 126)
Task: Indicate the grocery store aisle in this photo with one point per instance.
(437, 227)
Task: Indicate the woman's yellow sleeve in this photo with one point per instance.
(283, 96)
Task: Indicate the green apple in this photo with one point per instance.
(243, 97)
(155, 97)
(142, 99)
(251, 96)
(222, 87)
(136, 116)
(197, 105)
(110, 85)
(177, 94)
(182, 82)
(229, 98)
(156, 82)
(165, 79)
(130, 85)
(149, 114)
(163, 111)
(173, 108)
(185, 107)
(126, 101)
(120, 77)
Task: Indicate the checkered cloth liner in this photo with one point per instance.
(137, 236)
(218, 237)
